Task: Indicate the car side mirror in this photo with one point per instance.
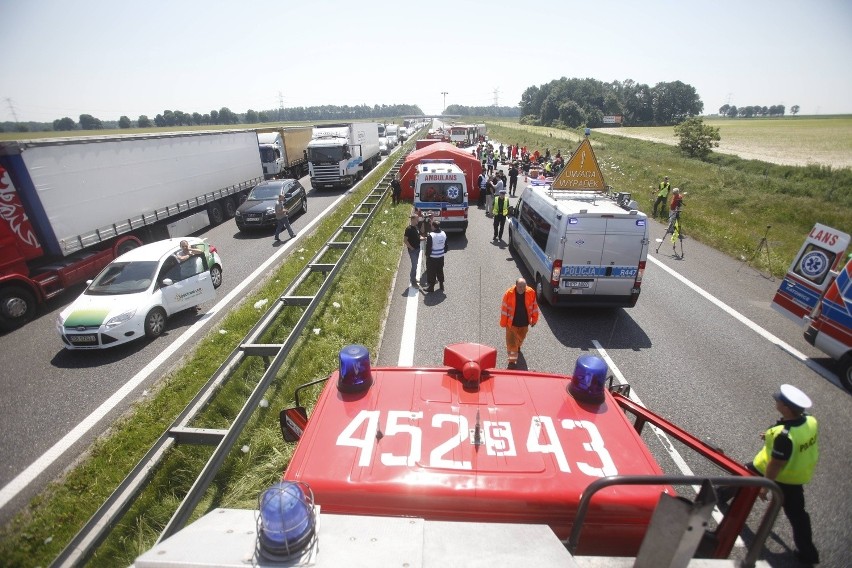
(167, 282)
(411, 184)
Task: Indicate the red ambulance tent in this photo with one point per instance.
(468, 162)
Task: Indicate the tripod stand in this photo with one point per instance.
(762, 245)
(675, 229)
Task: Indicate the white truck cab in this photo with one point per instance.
(440, 190)
(580, 247)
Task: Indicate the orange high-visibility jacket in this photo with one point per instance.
(507, 312)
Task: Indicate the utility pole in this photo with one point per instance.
(497, 97)
(445, 102)
(280, 106)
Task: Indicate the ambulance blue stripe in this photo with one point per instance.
(799, 293)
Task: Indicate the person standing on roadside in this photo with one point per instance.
(396, 190)
(489, 196)
(513, 178)
(662, 196)
(788, 457)
(518, 312)
(282, 214)
(412, 240)
(501, 211)
(482, 182)
(436, 249)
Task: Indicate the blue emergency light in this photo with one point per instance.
(287, 521)
(640, 222)
(589, 378)
(355, 372)
(573, 220)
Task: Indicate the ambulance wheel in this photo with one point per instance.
(846, 371)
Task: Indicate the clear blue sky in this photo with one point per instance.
(110, 58)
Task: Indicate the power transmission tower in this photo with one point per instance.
(445, 102)
(280, 106)
(12, 109)
(496, 97)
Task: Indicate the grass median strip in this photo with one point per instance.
(352, 312)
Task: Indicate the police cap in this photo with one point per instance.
(793, 397)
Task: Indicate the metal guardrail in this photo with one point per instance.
(101, 523)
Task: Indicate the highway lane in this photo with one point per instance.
(687, 358)
(46, 391)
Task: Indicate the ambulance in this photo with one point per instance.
(817, 291)
(440, 192)
(580, 247)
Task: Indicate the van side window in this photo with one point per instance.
(535, 225)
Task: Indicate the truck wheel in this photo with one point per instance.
(214, 210)
(230, 207)
(126, 246)
(846, 371)
(17, 307)
(216, 275)
(155, 323)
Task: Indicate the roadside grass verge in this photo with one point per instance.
(353, 312)
(729, 201)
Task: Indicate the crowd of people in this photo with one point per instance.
(520, 157)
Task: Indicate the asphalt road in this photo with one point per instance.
(688, 359)
(704, 368)
(47, 392)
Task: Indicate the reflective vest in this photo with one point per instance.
(439, 244)
(507, 311)
(504, 210)
(664, 189)
(800, 466)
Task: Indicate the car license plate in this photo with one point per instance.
(254, 218)
(83, 339)
(577, 283)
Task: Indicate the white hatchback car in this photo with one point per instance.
(134, 295)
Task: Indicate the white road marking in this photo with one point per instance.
(666, 442)
(816, 367)
(409, 323)
(23, 479)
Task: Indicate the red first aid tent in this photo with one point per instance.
(468, 163)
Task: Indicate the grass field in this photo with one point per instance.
(799, 141)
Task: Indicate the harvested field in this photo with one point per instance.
(797, 141)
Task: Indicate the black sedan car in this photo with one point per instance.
(258, 210)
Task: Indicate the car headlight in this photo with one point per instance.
(238, 214)
(119, 319)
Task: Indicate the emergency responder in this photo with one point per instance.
(500, 212)
(662, 196)
(518, 312)
(436, 248)
(789, 455)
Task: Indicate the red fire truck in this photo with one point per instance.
(466, 464)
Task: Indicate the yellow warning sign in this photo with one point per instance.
(581, 173)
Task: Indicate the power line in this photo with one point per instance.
(12, 109)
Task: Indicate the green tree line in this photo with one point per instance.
(584, 102)
(731, 111)
(487, 111)
(224, 115)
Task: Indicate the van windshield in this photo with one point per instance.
(442, 193)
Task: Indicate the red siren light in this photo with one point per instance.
(589, 378)
(356, 374)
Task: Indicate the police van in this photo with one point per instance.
(440, 192)
(580, 247)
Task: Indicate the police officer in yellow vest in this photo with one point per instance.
(789, 456)
(662, 196)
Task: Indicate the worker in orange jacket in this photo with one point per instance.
(518, 313)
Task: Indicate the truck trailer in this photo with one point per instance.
(72, 205)
(283, 151)
(340, 154)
